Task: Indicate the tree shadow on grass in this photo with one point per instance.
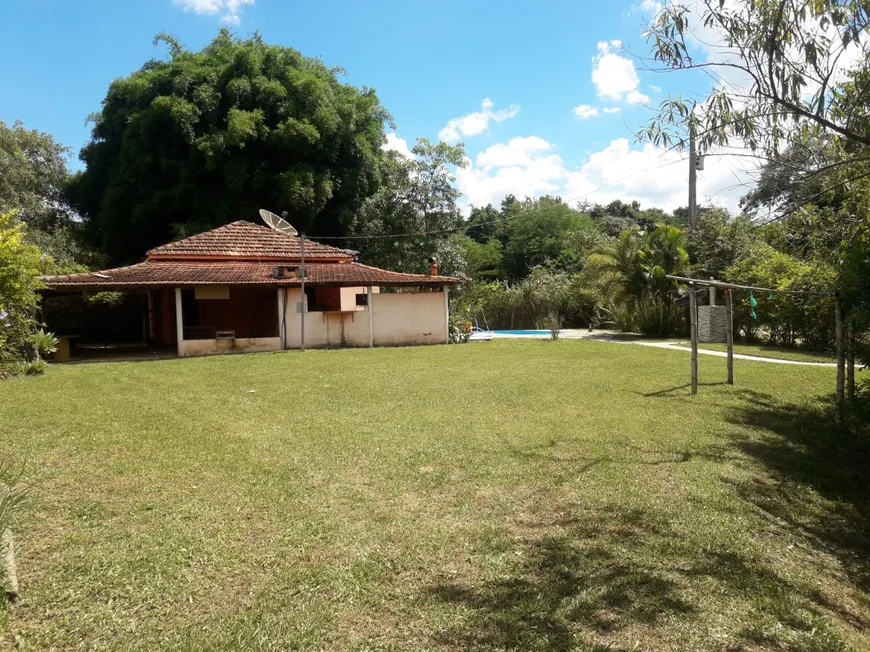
(621, 580)
(565, 587)
(582, 579)
(818, 480)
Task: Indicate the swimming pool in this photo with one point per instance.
(522, 332)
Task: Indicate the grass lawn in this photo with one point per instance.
(510, 495)
(768, 351)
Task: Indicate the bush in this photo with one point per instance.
(45, 342)
(786, 320)
(502, 305)
(19, 266)
(621, 316)
(553, 323)
(13, 499)
(632, 273)
(460, 329)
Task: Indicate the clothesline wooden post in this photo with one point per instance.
(693, 320)
(729, 337)
(729, 287)
(841, 360)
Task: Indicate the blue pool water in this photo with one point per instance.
(522, 332)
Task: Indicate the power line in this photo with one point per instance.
(499, 220)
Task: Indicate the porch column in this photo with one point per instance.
(179, 318)
(152, 327)
(446, 316)
(371, 317)
(281, 318)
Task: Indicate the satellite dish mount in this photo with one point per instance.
(281, 225)
(277, 223)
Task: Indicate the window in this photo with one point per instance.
(362, 299)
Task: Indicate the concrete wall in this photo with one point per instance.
(410, 318)
(239, 345)
(399, 319)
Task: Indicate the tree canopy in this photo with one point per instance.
(205, 138)
(417, 201)
(778, 75)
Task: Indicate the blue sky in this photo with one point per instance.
(545, 96)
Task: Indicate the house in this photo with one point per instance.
(239, 288)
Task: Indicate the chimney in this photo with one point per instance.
(433, 266)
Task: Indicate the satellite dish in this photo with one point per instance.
(278, 223)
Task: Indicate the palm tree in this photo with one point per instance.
(633, 272)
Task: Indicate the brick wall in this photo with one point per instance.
(712, 323)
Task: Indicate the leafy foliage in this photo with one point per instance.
(536, 231)
(787, 320)
(208, 137)
(529, 303)
(19, 266)
(33, 179)
(418, 197)
(45, 342)
(788, 54)
(633, 272)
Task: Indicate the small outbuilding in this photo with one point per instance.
(239, 288)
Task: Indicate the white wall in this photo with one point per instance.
(410, 318)
(399, 319)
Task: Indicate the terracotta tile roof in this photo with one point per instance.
(180, 273)
(246, 240)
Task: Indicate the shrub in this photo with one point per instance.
(13, 499)
(633, 272)
(622, 317)
(45, 342)
(526, 304)
(553, 323)
(460, 329)
(786, 320)
(19, 266)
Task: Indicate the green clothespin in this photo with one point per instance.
(772, 296)
(752, 303)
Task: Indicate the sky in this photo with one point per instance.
(547, 97)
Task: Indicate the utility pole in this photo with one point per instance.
(304, 303)
(693, 177)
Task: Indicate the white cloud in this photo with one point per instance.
(230, 9)
(636, 97)
(657, 177)
(396, 144)
(651, 7)
(651, 175)
(518, 151)
(612, 109)
(614, 76)
(477, 122)
(585, 111)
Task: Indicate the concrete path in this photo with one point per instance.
(737, 356)
(615, 337)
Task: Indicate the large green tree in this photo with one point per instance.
(539, 231)
(33, 178)
(632, 273)
(205, 138)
